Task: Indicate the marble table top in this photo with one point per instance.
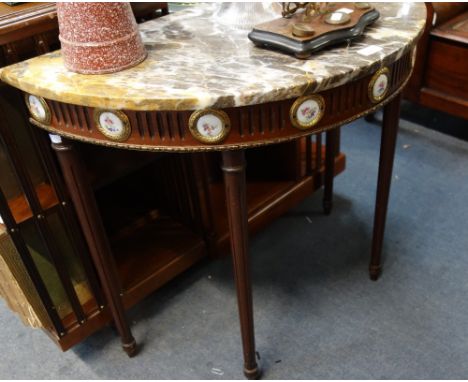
(195, 62)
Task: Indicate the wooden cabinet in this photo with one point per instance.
(440, 78)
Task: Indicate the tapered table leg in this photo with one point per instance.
(234, 179)
(391, 118)
(330, 153)
(93, 229)
(370, 117)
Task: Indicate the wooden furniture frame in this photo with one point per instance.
(342, 110)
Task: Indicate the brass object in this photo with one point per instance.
(315, 9)
(302, 30)
(337, 18)
(362, 5)
(302, 55)
(314, 115)
(35, 113)
(310, 9)
(289, 8)
(122, 133)
(381, 72)
(208, 132)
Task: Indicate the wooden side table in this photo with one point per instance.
(199, 92)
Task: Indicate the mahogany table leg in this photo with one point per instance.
(94, 231)
(330, 153)
(391, 118)
(234, 180)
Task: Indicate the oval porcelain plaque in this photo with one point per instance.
(378, 85)
(209, 126)
(307, 111)
(113, 124)
(38, 108)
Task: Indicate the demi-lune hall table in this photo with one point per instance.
(204, 87)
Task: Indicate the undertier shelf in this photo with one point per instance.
(266, 200)
(154, 254)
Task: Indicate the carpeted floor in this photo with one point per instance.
(317, 314)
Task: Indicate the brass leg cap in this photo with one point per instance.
(131, 348)
(374, 272)
(255, 373)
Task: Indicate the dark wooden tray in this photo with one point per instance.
(277, 34)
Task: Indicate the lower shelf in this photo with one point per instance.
(156, 248)
(153, 255)
(146, 259)
(266, 201)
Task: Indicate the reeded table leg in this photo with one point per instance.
(330, 153)
(93, 229)
(391, 118)
(234, 181)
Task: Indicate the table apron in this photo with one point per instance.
(250, 126)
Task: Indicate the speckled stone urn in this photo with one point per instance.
(99, 38)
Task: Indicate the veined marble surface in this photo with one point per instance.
(195, 62)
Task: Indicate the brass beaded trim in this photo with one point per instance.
(127, 129)
(385, 71)
(293, 111)
(48, 116)
(224, 118)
